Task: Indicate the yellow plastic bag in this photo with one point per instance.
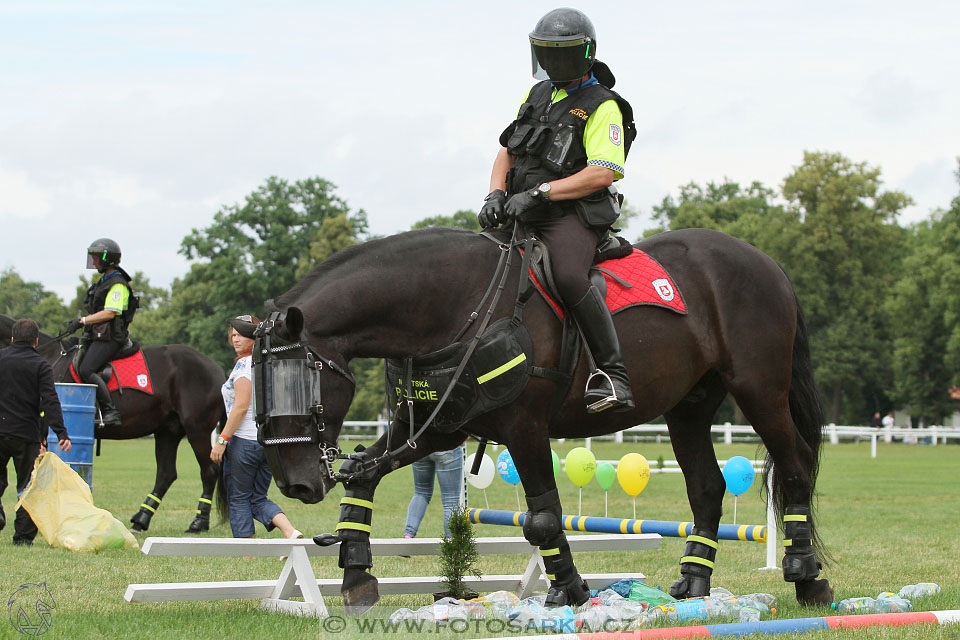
(60, 503)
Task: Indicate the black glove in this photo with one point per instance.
(522, 202)
(491, 213)
(73, 325)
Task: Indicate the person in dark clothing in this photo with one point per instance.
(554, 173)
(110, 305)
(27, 393)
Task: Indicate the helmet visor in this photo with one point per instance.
(94, 259)
(562, 61)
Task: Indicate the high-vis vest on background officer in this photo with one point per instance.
(554, 174)
(110, 306)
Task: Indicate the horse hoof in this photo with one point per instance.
(690, 587)
(359, 591)
(814, 592)
(198, 526)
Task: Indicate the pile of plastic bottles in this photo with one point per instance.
(888, 602)
(719, 604)
(627, 604)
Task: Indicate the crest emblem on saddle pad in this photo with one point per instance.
(664, 289)
(142, 380)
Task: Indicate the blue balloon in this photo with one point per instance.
(506, 468)
(738, 473)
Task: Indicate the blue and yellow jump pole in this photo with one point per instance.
(745, 532)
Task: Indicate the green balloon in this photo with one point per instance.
(606, 475)
(556, 463)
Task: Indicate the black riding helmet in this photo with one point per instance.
(106, 250)
(563, 46)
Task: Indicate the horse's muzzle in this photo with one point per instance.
(304, 493)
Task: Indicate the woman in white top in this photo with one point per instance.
(246, 474)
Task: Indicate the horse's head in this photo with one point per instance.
(300, 399)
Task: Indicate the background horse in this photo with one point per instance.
(409, 294)
(6, 330)
(186, 401)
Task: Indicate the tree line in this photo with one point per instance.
(882, 301)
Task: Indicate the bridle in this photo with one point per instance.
(264, 354)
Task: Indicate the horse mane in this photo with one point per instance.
(398, 243)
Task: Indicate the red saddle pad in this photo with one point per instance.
(646, 283)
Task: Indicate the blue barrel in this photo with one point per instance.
(79, 405)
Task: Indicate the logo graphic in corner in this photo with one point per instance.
(615, 135)
(142, 380)
(31, 609)
(664, 289)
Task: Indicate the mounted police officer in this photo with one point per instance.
(110, 305)
(554, 174)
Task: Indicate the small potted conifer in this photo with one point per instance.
(458, 557)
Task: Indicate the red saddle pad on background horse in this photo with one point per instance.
(129, 373)
(633, 280)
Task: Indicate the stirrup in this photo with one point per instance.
(606, 403)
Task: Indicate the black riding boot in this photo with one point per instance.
(609, 387)
(108, 412)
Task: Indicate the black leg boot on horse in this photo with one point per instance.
(541, 527)
(608, 387)
(696, 565)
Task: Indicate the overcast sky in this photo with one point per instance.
(138, 120)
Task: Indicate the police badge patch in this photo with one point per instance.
(615, 136)
(664, 289)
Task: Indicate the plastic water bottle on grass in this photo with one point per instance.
(687, 610)
(856, 605)
(884, 604)
(893, 603)
(919, 590)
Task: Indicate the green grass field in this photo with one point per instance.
(888, 522)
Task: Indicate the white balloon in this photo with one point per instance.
(484, 475)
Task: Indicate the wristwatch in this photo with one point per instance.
(544, 191)
(222, 440)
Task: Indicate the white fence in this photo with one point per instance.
(834, 433)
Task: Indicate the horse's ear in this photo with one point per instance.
(294, 321)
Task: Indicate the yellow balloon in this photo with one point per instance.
(581, 465)
(633, 473)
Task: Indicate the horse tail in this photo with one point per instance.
(806, 410)
(220, 490)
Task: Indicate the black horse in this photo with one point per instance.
(6, 330)
(409, 294)
(186, 401)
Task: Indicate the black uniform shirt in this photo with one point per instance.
(26, 387)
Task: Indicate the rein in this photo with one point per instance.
(64, 351)
(502, 271)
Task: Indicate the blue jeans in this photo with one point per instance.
(247, 478)
(448, 468)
